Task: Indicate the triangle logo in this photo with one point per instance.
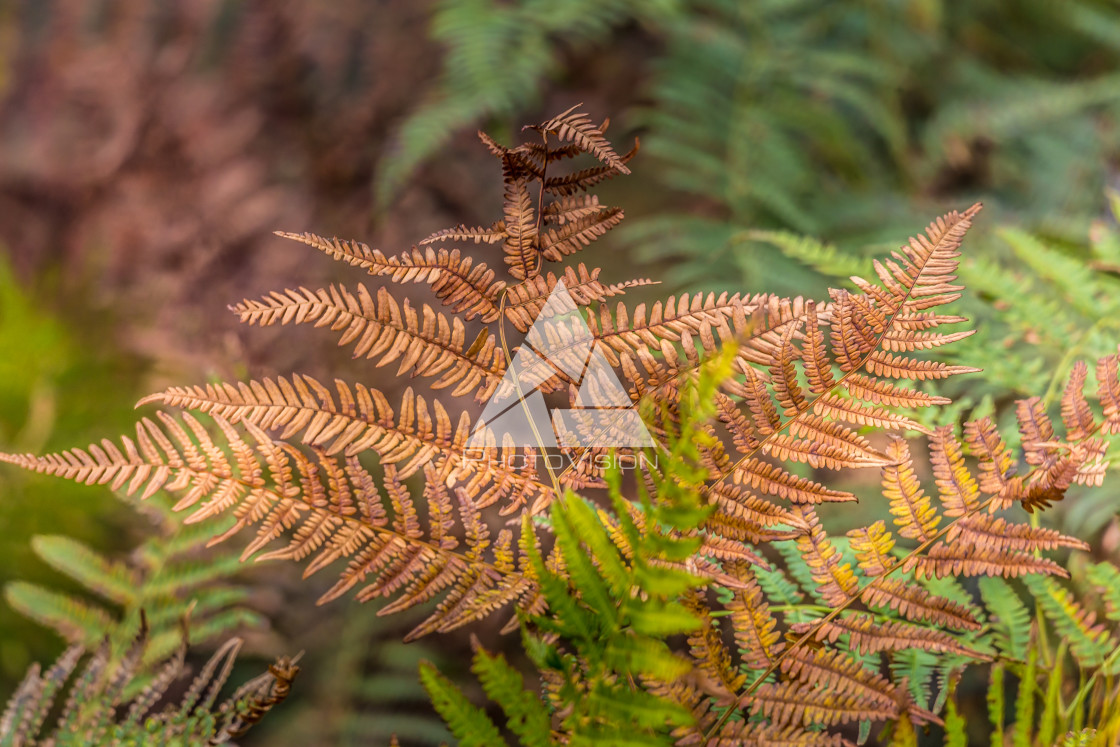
(560, 343)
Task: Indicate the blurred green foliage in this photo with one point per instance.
(171, 577)
(56, 389)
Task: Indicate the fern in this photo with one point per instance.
(97, 712)
(740, 395)
(169, 578)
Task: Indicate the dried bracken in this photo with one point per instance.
(808, 379)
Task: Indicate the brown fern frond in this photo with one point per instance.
(797, 703)
(1108, 381)
(961, 559)
(818, 365)
(783, 376)
(575, 127)
(520, 243)
(995, 462)
(628, 332)
(817, 454)
(897, 367)
(905, 339)
(578, 233)
(581, 181)
(1037, 432)
(356, 419)
(771, 479)
(564, 210)
(882, 392)
(918, 605)
(850, 411)
(334, 507)
(351, 252)
(985, 531)
(868, 636)
(426, 344)
(457, 281)
(542, 153)
(743, 515)
(479, 235)
(1076, 413)
(864, 343)
(525, 300)
(837, 672)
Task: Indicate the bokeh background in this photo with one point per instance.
(148, 149)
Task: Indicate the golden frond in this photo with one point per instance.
(835, 580)
(755, 627)
(957, 488)
(872, 547)
(708, 649)
(913, 512)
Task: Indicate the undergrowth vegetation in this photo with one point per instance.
(717, 586)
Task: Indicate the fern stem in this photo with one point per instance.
(540, 204)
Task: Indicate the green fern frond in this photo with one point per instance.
(469, 723)
(171, 576)
(1089, 642)
(1009, 617)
